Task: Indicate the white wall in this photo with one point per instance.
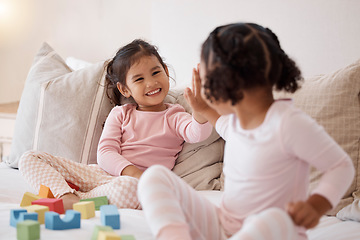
(321, 35)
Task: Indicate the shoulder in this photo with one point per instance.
(123, 110)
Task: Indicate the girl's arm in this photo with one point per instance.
(202, 112)
(305, 139)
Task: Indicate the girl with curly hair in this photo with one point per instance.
(270, 146)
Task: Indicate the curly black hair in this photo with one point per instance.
(118, 67)
(243, 56)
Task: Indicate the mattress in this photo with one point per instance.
(13, 186)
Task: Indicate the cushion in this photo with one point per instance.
(333, 101)
(61, 111)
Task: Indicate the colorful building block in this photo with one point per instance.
(127, 237)
(40, 210)
(28, 197)
(45, 192)
(99, 201)
(54, 204)
(87, 209)
(110, 216)
(98, 228)
(71, 220)
(104, 235)
(19, 215)
(28, 230)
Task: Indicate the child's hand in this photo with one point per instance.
(303, 214)
(193, 97)
(308, 214)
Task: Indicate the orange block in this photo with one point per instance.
(45, 192)
(54, 204)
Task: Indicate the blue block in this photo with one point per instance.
(110, 216)
(71, 220)
(19, 215)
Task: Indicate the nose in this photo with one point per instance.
(151, 83)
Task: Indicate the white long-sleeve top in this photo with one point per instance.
(269, 166)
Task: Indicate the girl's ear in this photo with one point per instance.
(123, 90)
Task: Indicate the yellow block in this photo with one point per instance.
(108, 236)
(40, 210)
(87, 209)
(28, 198)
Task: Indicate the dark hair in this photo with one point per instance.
(242, 56)
(118, 67)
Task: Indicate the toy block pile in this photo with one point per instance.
(44, 208)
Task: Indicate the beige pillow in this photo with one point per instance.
(333, 101)
(61, 111)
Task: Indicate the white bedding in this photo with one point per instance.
(13, 187)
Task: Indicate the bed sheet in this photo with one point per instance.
(13, 186)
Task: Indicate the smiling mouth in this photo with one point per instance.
(153, 92)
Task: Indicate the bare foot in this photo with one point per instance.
(69, 199)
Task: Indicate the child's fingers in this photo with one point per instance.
(196, 82)
(188, 95)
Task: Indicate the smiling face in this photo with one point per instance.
(148, 83)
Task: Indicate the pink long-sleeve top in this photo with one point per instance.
(143, 139)
(269, 166)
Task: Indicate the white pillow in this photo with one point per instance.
(61, 111)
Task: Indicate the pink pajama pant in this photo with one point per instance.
(42, 168)
(176, 211)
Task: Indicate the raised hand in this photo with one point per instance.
(202, 112)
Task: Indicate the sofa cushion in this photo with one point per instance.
(61, 111)
(333, 101)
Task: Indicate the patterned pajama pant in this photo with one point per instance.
(54, 172)
(175, 211)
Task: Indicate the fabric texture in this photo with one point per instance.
(333, 100)
(40, 168)
(143, 138)
(61, 111)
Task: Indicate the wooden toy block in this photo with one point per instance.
(54, 204)
(71, 220)
(110, 216)
(98, 228)
(99, 201)
(28, 230)
(28, 198)
(45, 192)
(87, 209)
(104, 235)
(19, 215)
(40, 210)
(127, 237)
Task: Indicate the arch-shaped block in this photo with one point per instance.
(110, 216)
(71, 220)
(19, 215)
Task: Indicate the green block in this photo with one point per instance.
(127, 237)
(97, 229)
(28, 230)
(99, 201)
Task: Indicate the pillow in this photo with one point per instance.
(61, 111)
(333, 101)
(199, 164)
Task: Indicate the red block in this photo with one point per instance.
(54, 204)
